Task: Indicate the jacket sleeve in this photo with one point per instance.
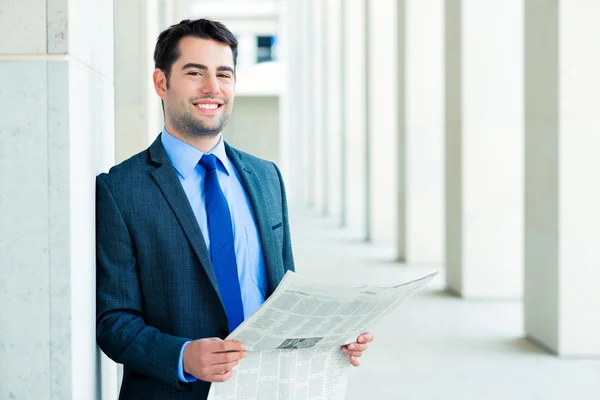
(121, 331)
(288, 256)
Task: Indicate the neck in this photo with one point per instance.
(202, 143)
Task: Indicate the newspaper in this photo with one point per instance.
(293, 340)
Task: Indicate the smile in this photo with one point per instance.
(212, 106)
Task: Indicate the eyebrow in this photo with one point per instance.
(204, 67)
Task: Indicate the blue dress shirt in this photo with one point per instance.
(248, 250)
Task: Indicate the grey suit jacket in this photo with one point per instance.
(156, 287)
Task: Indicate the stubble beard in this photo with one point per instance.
(191, 126)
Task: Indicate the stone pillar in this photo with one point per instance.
(295, 95)
(355, 115)
(318, 107)
(292, 116)
(138, 111)
(383, 136)
(307, 126)
(421, 238)
(484, 149)
(343, 204)
(332, 71)
(562, 211)
(56, 74)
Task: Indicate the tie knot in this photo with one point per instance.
(209, 162)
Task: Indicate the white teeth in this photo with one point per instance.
(208, 106)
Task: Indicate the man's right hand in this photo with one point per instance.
(212, 359)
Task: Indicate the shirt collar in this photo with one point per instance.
(185, 157)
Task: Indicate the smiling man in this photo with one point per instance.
(192, 234)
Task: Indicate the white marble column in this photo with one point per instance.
(138, 111)
(343, 200)
(56, 102)
(318, 107)
(383, 135)
(421, 238)
(290, 138)
(562, 220)
(289, 100)
(355, 115)
(484, 148)
(332, 72)
(307, 123)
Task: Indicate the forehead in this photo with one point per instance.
(204, 51)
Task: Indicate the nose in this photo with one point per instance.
(211, 86)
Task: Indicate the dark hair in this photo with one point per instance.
(167, 51)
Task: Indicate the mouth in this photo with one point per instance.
(208, 107)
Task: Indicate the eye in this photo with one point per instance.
(194, 73)
(224, 76)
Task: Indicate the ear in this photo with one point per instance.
(160, 83)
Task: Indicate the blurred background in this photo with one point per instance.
(413, 135)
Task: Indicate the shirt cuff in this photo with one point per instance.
(183, 376)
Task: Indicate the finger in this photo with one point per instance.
(366, 337)
(219, 368)
(220, 358)
(356, 346)
(228, 345)
(353, 353)
(356, 353)
(354, 361)
(221, 376)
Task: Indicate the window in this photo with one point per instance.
(265, 49)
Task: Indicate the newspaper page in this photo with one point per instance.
(293, 340)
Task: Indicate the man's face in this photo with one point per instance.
(199, 99)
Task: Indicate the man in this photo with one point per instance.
(192, 234)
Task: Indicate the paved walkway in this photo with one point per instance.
(437, 346)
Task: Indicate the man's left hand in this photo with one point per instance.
(355, 350)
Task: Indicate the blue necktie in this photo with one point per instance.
(222, 250)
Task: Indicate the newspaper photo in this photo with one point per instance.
(293, 340)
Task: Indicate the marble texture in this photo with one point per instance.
(563, 204)
(59, 219)
(57, 134)
(135, 98)
(91, 118)
(355, 105)
(57, 20)
(304, 188)
(453, 109)
(424, 131)
(332, 67)
(541, 300)
(90, 33)
(318, 143)
(24, 241)
(579, 169)
(386, 156)
(289, 98)
(484, 155)
(23, 26)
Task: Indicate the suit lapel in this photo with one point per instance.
(166, 178)
(251, 182)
